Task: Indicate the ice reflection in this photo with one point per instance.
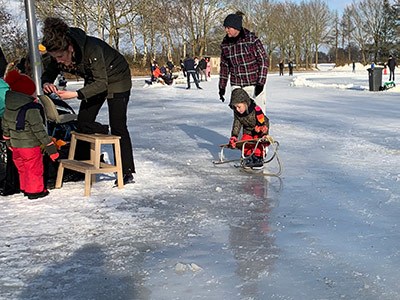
(252, 239)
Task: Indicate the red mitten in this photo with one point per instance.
(264, 129)
(54, 156)
(232, 142)
(261, 129)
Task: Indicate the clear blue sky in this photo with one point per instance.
(339, 5)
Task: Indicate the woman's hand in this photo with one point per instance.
(49, 88)
(65, 95)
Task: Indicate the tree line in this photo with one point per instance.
(307, 33)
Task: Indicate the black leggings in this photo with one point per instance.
(117, 112)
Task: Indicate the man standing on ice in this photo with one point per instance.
(392, 66)
(243, 60)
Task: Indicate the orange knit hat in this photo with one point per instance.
(41, 48)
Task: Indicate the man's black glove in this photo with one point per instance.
(258, 89)
(221, 94)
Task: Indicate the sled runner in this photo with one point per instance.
(270, 150)
(388, 85)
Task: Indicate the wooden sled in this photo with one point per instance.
(270, 147)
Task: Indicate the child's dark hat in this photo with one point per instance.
(239, 95)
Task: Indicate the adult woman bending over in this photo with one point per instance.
(106, 76)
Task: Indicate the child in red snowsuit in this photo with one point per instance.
(25, 132)
(249, 117)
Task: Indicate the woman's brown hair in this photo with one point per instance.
(55, 35)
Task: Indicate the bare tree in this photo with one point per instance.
(276, 33)
(335, 35)
(307, 29)
(359, 34)
(396, 39)
(369, 19)
(388, 29)
(266, 24)
(296, 33)
(320, 19)
(13, 36)
(76, 14)
(169, 29)
(347, 29)
(117, 12)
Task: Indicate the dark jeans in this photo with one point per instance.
(117, 112)
(391, 73)
(194, 75)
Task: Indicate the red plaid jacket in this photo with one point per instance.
(244, 59)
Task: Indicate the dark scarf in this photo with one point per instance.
(233, 40)
(20, 125)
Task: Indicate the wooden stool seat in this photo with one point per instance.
(93, 166)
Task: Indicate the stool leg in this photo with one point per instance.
(72, 147)
(95, 153)
(93, 178)
(88, 183)
(118, 163)
(60, 174)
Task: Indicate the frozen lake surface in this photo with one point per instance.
(327, 229)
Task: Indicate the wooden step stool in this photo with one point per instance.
(93, 166)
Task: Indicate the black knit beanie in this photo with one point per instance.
(233, 21)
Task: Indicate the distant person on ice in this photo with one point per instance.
(249, 117)
(392, 66)
(281, 66)
(290, 66)
(190, 69)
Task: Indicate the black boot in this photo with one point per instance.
(33, 196)
(127, 178)
(257, 164)
(7, 191)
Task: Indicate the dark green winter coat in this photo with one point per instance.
(33, 132)
(103, 68)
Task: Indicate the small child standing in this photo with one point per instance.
(249, 117)
(25, 132)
